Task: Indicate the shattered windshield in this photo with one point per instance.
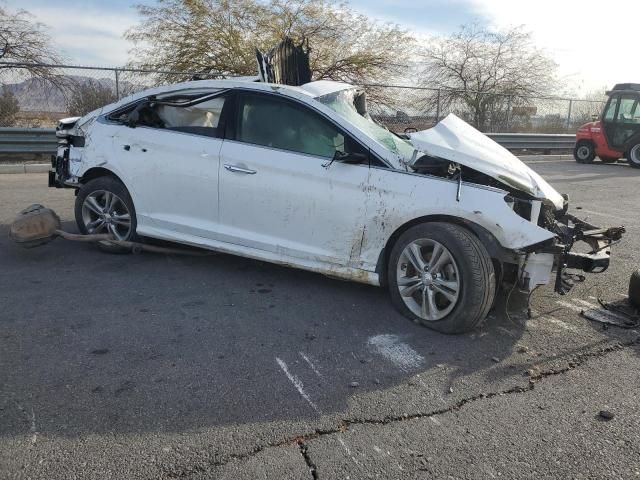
(344, 104)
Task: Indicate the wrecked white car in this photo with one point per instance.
(302, 176)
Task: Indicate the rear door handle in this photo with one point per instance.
(237, 169)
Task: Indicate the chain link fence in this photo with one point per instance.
(405, 107)
(75, 90)
(69, 90)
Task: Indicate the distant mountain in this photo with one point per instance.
(38, 95)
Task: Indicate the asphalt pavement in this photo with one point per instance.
(158, 366)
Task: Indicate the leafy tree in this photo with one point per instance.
(486, 72)
(8, 107)
(87, 96)
(219, 37)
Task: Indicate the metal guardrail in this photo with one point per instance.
(534, 141)
(28, 140)
(43, 140)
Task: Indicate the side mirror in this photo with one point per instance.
(349, 157)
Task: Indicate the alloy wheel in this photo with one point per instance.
(105, 212)
(428, 279)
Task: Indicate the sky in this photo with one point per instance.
(591, 46)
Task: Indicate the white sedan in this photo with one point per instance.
(302, 176)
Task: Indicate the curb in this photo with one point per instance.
(25, 168)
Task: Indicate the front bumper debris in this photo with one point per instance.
(572, 231)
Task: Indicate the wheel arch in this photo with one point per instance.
(581, 141)
(496, 251)
(96, 172)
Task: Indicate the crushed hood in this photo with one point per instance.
(455, 140)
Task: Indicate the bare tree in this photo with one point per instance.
(8, 107)
(487, 72)
(219, 37)
(87, 96)
(589, 106)
(25, 41)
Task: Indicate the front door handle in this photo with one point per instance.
(237, 169)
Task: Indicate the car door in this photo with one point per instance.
(622, 120)
(626, 124)
(172, 160)
(279, 190)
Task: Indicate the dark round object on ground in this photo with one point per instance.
(634, 289)
(606, 415)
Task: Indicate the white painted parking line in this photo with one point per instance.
(549, 321)
(310, 363)
(586, 304)
(298, 384)
(592, 311)
(348, 451)
(561, 324)
(400, 354)
(570, 306)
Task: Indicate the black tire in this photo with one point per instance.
(115, 187)
(633, 156)
(475, 275)
(634, 289)
(584, 152)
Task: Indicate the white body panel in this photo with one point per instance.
(292, 210)
(292, 205)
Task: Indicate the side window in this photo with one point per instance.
(206, 114)
(186, 115)
(277, 123)
(627, 112)
(611, 109)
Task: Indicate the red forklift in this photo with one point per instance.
(617, 133)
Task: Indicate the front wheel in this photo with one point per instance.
(634, 156)
(441, 276)
(103, 205)
(584, 152)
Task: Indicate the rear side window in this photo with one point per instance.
(200, 116)
(205, 114)
(272, 122)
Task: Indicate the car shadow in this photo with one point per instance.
(94, 342)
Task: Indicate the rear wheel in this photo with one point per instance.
(633, 156)
(584, 152)
(441, 276)
(103, 205)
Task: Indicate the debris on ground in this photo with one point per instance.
(606, 415)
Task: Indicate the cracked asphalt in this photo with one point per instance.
(155, 366)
